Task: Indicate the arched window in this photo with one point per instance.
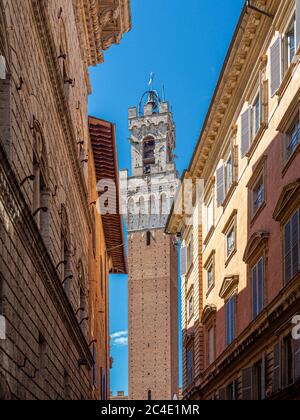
(66, 275)
(5, 85)
(148, 154)
(41, 194)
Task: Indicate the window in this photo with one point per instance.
(95, 379)
(149, 395)
(258, 195)
(231, 392)
(230, 320)
(251, 122)
(148, 155)
(190, 304)
(230, 242)
(210, 276)
(290, 43)
(256, 116)
(258, 288)
(211, 345)
(258, 381)
(288, 361)
(190, 366)
(229, 167)
(292, 138)
(291, 247)
(148, 238)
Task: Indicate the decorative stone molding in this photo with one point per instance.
(229, 287)
(207, 313)
(288, 202)
(257, 242)
(103, 23)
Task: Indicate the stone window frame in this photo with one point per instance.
(211, 262)
(259, 173)
(209, 320)
(287, 205)
(287, 130)
(190, 295)
(230, 225)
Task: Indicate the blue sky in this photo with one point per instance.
(184, 43)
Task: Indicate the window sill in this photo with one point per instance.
(290, 160)
(230, 258)
(257, 213)
(229, 194)
(209, 235)
(256, 140)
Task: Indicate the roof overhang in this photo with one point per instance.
(103, 141)
(103, 23)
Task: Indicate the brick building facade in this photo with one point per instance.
(46, 221)
(240, 256)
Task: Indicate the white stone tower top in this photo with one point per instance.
(147, 195)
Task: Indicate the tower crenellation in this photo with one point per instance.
(149, 191)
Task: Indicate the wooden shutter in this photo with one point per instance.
(260, 285)
(222, 394)
(220, 185)
(295, 244)
(245, 132)
(287, 253)
(247, 384)
(263, 376)
(297, 359)
(276, 65)
(183, 260)
(297, 24)
(277, 367)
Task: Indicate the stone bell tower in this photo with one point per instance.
(153, 260)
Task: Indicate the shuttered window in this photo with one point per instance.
(221, 185)
(247, 384)
(190, 366)
(183, 260)
(245, 132)
(277, 367)
(211, 345)
(297, 24)
(292, 247)
(297, 359)
(2, 68)
(258, 288)
(230, 320)
(276, 65)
